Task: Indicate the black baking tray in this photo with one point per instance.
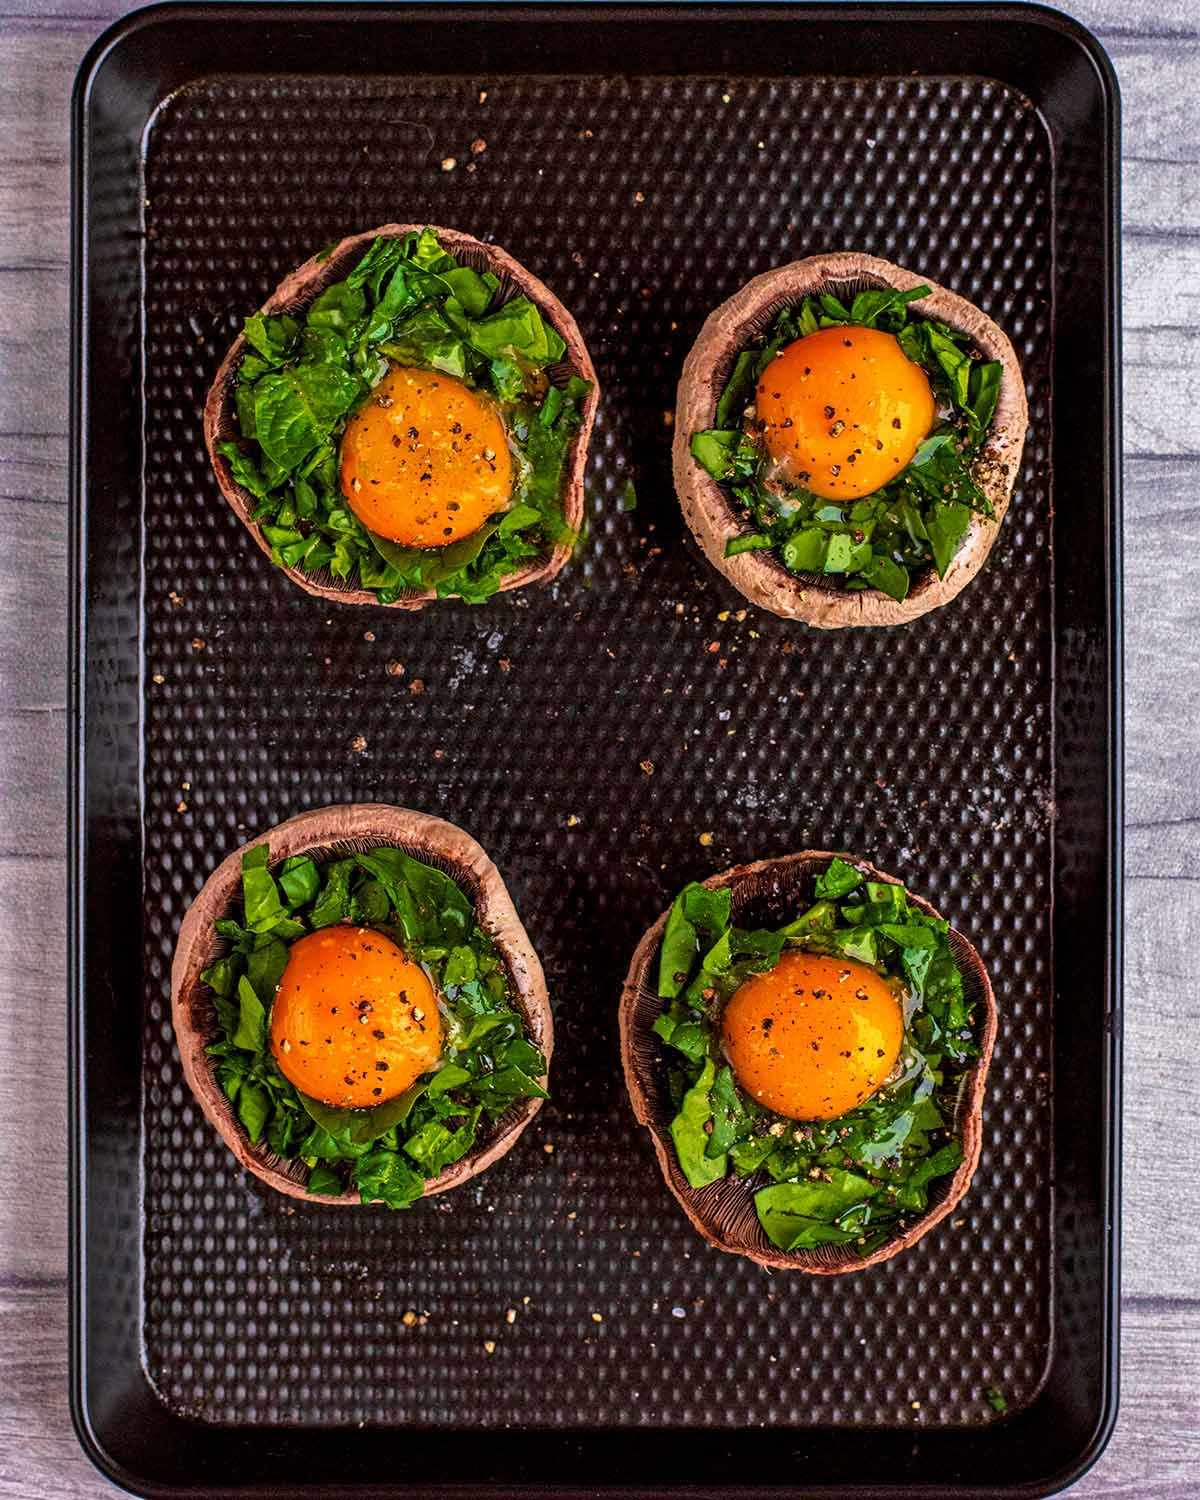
(644, 161)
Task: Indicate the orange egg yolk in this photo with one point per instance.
(425, 461)
(844, 410)
(355, 1020)
(814, 1036)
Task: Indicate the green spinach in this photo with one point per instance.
(854, 1179)
(304, 376)
(915, 521)
(386, 1153)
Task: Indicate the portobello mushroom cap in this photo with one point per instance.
(336, 831)
(760, 576)
(724, 1212)
(298, 291)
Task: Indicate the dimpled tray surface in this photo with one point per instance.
(539, 723)
(606, 738)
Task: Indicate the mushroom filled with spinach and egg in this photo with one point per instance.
(847, 439)
(808, 1044)
(406, 419)
(358, 1008)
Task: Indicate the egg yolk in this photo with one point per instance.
(425, 461)
(844, 410)
(814, 1036)
(355, 1020)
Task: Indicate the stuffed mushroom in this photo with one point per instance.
(847, 440)
(807, 1043)
(407, 418)
(358, 1008)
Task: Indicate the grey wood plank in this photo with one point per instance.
(33, 1196)
(33, 722)
(1155, 1451)
(1158, 122)
(34, 181)
(1163, 653)
(1162, 247)
(1154, 1455)
(1162, 689)
(1166, 21)
(1160, 1241)
(39, 1456)
(33, 351)
(1162, 676)
(33, 469)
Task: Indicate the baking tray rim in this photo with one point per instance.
(162, 14)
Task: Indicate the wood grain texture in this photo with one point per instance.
(1155, 45)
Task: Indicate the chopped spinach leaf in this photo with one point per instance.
(253, 1109)
(689, 1132)
(251, 1027)
(300, 880)
(828, 1210)
(324, 1180)
(699, 911)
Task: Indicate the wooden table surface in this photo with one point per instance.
(1155, 45)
